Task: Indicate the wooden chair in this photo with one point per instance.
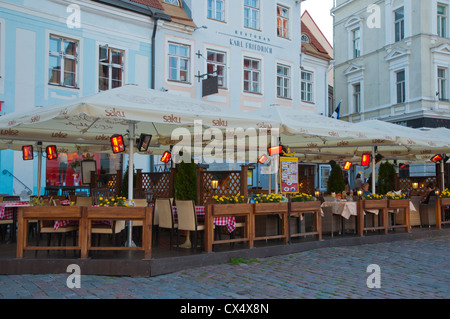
(163, 216)
(187, 219)
(116, 227)
(4, 223)
(47, 227)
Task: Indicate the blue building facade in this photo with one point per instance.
(53, 50)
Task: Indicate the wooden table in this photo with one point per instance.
(440, 204)
(373, 206)
(300, 208)
(405, 205)
(345, 209)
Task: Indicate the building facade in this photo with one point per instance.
(392, 60)
(55, 50)
(254, 48)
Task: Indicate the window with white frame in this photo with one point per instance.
(282, 21)
(399, 24)
(357, 98)
(251, 14)
(252, 75)
(63, 61)
(283, 81)
(356, 42)
(442, 83)
(307, 86)
(217, 66)
(179, 62)
(400, 86)
(216, 10)
(111, 68)
(442, 20)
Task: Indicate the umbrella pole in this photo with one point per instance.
(373, 171)
(130, 242)
(39, 172)
(442, 175)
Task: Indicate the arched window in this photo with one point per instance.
(174, 2)
(305, 38)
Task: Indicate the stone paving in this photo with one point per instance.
(410, 269)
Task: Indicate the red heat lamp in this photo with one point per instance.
(166, 157)
(437, 158)
(117, 144)
(263, 159)
(347, 165)
(27, 152)
(275, 150)
(52, 152)
(365, 161)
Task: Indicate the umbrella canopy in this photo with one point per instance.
(86, 124)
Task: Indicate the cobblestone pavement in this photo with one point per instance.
(409, 269)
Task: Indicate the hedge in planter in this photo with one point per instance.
(336, 183)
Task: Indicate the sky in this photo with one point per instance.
(320, 12)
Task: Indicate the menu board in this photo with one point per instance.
(289, 175)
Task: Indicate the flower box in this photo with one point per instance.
(398, 203)
(232, 209)
(305, 206)
(445, 201)
(271, 207)
(375, 204)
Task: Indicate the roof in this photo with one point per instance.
(306, 13)
(151, 3)
(313, 48)
(176, 13)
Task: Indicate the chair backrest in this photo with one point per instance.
(11, 198)
(1, 199)
(187, 220)
(83, 201)
(120, 225)
(163, 210)
(56, 202)
(140, 202)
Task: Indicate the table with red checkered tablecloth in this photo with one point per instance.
(7, 208)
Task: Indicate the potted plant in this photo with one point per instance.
(302, 202)
(397, 200)
(375, 201)
(445, 197)
(386, 178)
(336, 183)
(185, 184)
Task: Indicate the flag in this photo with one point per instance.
(337, 112)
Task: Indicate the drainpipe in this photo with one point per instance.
(155, 27)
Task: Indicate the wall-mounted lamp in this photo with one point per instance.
(215, 183)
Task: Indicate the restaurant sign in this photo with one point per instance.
(250, 41)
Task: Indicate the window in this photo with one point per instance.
(216, 66)
(252, 75)
(401, 86)
(110, 74)
(216, 10)
(442, 83)
(282, 21)
(179, 61)
(174, 2)
(63, 61)
(307, 86)
(356, 43)
(357, 98)
(283, 81)
(251, 14)
(305, 38)
(442, 20)
(399, 22)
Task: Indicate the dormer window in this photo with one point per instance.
(305, 38)
(174, 2)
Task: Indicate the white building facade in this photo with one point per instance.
(392, 60)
